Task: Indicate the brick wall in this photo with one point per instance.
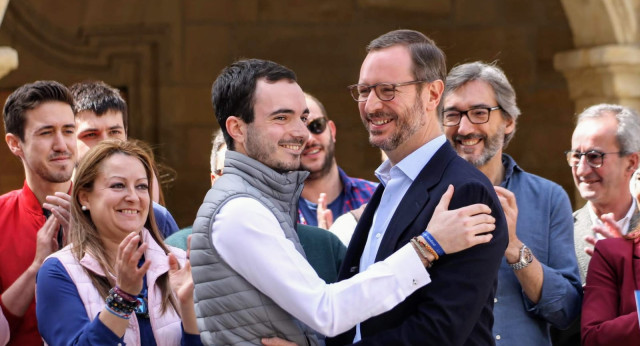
(167, 53)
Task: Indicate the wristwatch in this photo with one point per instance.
(526, 257)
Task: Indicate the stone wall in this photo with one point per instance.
(165, 54)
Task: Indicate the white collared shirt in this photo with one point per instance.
(396, 180)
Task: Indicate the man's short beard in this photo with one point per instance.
(260, 149)
(491, 147)
(327, 164)
(406, 127)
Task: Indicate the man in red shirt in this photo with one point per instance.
(40, 130)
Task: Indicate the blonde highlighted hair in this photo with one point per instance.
(84, 235)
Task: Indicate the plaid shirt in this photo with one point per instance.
(356, 192)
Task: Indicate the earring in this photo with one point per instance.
(84, 208)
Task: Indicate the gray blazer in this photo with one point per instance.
(581, 228)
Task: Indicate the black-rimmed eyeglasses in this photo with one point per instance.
(476, 115)
(317, 126)
(384, 91)
(594, 158)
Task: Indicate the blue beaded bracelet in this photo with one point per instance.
(121, 315)
(433, 243)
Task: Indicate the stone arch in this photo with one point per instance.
(602, 22)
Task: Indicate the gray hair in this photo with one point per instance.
(216, 145)
(628, 133)
(495, 77)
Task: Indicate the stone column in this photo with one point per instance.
(605, 66)
(8, 55)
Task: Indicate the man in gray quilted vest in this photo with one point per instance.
(252, 279)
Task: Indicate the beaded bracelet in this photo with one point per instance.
(427, 247)
(120, 304)
(123, 294)
(423, 254)
(121, 315)
(433, 243)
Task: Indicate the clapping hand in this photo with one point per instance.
(608, 229)
(59, 205)
(129, 276)
(323, 214)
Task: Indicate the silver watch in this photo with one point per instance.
(526, 257)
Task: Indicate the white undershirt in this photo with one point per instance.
(249, 238)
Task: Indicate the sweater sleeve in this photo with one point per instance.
(62, 317)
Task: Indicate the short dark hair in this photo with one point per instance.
(233, 91)
(30, 96)
(99, 97)
(429, 62)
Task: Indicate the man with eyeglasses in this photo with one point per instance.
(328, 191)
(538, 283)
(603, 157)
(398, 93)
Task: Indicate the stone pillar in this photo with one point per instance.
(8, 55)
(605, 66)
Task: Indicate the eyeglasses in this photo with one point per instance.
(317, 126)
(478, 115)
(384, 91)
(594, 158)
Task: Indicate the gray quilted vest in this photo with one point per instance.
(229, 309)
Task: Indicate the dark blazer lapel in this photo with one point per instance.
(415, 200)
(360, 235)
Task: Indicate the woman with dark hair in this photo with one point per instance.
(609, 310)
(116, 282)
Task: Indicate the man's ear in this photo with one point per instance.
(15, 144)
(633, 162)
(510, 124)
(332, 128)
(434, 92)
(236, 128)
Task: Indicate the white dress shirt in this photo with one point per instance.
(249, 239)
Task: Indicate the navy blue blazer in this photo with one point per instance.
(456, 308)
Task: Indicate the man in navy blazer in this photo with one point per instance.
(398, 93)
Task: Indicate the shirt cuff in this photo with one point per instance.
(408, 267)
